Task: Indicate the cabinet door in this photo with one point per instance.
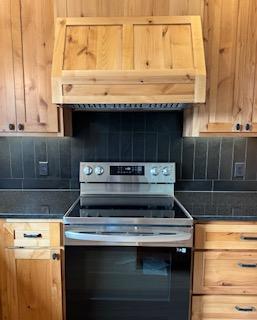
(7, 86)
(37, 28)
(34, 289)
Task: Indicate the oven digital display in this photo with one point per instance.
(127, 170)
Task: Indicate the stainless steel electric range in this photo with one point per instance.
(128, 245)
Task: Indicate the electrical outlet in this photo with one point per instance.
(43, 168)
(239, 170)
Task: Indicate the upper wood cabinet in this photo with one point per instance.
(230, 35)
(27, 39)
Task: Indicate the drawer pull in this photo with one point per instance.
(32, 235)
(246, 238)
(245, 309)
(247, 265)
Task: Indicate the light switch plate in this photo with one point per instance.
(43, 168)
(239, 170)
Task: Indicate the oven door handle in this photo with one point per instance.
(126, 238)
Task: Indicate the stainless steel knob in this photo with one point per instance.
(166, 171)
(87, 170)
(155, 171)
(99, 170)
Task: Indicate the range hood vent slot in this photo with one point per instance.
(135, 63)
(130, 107)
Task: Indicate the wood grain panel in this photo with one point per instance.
(224, 307)
(93, 48)
(37, 23)
(7, 83)
(34, 284)
(222, 272)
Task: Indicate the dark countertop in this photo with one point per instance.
(206, 206)
(36, 204)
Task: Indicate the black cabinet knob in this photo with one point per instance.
(55, 256)
(238, 126)
(21, 126)
(11, 126)
(248, 127)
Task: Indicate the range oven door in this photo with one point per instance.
(127, 282)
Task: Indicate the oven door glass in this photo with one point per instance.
(125, 283)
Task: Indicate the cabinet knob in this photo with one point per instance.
(55, 256)
(238, 126)
(21, 126)
(248, 127)
(11, 126)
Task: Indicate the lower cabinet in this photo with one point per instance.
(224, 307)
(31, 257)
(34, 290)
(225, 271)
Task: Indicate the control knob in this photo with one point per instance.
(87, 170)
(99, 171)
(154, 171)
(166, 171)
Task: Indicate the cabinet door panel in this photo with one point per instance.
(34, 284)
(7, 88)
(37, 27)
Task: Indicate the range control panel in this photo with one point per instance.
(115, 172)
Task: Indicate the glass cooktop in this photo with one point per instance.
(127, 207)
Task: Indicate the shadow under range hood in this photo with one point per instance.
(141, 63)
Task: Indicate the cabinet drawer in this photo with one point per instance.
(225, 273)
(226, 236)
(224, 307)
(33, 234)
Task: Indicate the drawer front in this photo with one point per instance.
(225, 273)
(33, 234)
(225, 236)
(224, 307)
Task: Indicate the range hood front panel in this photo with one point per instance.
(128, 60)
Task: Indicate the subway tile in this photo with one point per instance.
(213, 158)
(126, 143)
(175, 155)
(163, 147)
(138, 147)
(151, 152)
(65, 158)
(113, 146)
(224, 185)
(53, 157)
(100, 147)
(188, 158)
(226, 159)
(77, 155)
(28, 157)
(127, 122)
(46, 184)
(200, 158)
(5, 161)
(239, 153)
(74, 184)
(139, 122)
(193, 185)
(10, 184)
(16, 157)
(251, 159)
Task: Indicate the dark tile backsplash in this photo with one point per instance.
(202, 163)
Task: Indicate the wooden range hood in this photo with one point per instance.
(129, 60)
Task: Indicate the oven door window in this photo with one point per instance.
(114, 283)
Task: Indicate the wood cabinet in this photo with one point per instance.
(224, 307)
(34, 284)
(27, 39)
(225, 271)
(31, 261)
(230, 46)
